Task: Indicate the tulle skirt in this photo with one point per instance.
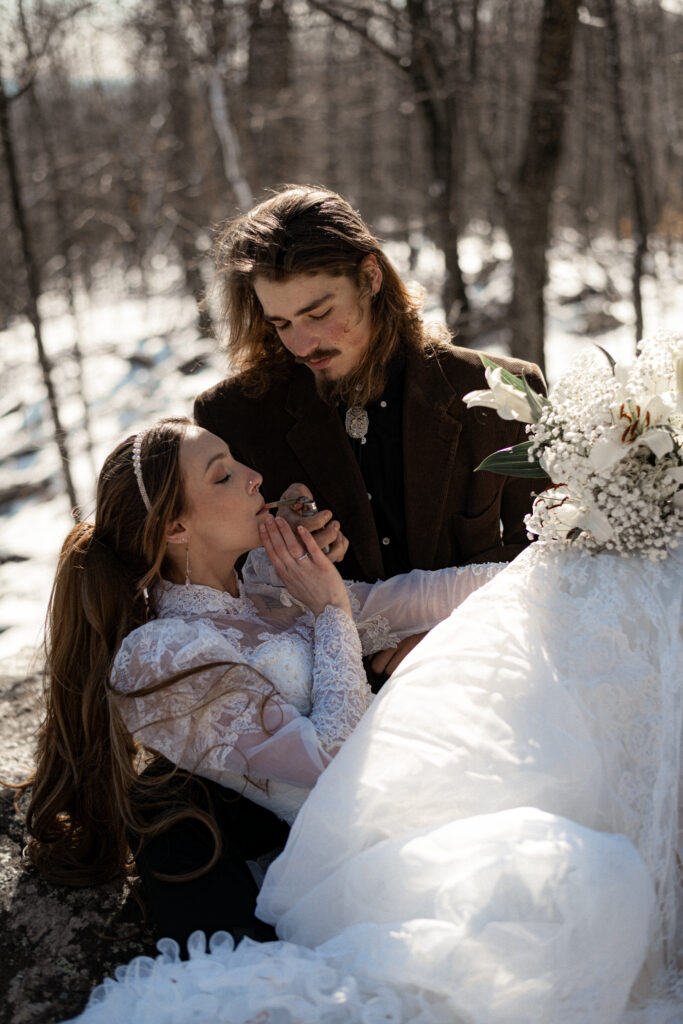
(497, 842)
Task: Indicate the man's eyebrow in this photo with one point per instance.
(304, 309)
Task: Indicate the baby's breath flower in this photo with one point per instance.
(611, 442)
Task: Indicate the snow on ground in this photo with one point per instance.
(138, 351)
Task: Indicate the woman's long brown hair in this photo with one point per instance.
(86, 789)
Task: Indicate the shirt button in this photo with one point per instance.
(369, 496)
(385, 540)
(383, 405)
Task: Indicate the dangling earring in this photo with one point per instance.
(187, 566)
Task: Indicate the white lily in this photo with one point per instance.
(597, 524)
(567, 515)
(570, 516)
(635, 424)
(509, 402)
(611, 448)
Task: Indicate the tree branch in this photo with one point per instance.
(358, 28)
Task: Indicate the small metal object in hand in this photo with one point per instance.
(309, 506)
(301, 557)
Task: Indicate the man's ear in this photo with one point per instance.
(176, 533)
(372, 273)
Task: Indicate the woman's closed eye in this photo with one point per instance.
(223, 479)
(320, 316)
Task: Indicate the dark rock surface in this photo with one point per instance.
(56, 943)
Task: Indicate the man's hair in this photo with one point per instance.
(304, 229)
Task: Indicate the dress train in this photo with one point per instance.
(498, 841)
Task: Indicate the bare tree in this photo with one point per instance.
(525, 195)
(412, 37)
(63, 230)
(33, 285)
(627, 155)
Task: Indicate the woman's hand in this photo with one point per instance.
(309, 577)
(325, 529)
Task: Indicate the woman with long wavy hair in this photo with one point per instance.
(188, 711)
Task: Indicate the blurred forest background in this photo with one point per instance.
(130, 129)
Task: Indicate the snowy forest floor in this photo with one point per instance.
(144, 358)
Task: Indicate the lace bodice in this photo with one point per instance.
(284, 688)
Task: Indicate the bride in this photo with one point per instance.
(499, 839)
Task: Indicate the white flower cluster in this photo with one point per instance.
(611, 441)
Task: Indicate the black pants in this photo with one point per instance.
(225, 896)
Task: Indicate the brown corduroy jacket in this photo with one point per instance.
(453, 514)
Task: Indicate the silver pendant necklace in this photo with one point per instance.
(357, 422)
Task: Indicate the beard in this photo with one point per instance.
(331, 391)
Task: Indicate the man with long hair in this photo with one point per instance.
(339, 384)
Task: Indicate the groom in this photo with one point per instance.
(341, 385)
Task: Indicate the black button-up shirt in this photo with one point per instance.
(380, 461)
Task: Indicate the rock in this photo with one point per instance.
(56, 943)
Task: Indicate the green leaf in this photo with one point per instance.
(513, 462)
(537, 402)
(612, 362)
(505, 375)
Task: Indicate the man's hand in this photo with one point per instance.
(326, 530)
(386, 662)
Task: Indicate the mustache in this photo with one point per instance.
(313, 357)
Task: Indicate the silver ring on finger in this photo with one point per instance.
(301, 557)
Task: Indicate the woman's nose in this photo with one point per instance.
(255, 481)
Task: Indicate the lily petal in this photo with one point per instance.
(660, 442)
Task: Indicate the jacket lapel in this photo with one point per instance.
(431, 432)
(318, 440)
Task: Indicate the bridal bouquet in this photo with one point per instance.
(610, 438)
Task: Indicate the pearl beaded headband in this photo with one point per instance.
(137, 469)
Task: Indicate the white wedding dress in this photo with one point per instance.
(498, 841)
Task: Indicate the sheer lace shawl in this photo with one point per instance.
(390, 610)
(291, 687)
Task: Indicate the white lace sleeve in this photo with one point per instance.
(387, 611)
(223, 722)
(340, 692)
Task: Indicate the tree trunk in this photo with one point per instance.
(30, 266)
(627, 154)
(270, 60)
(439, 105)
(527, 212)
(65, 250)
(183, 162)
(230, 144)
